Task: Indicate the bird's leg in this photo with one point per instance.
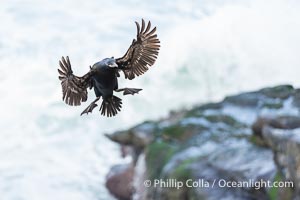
(126, 91)
(90, 107)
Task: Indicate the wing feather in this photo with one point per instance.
(74, 88)
(142, 53)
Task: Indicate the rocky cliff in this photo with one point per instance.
(224, 150)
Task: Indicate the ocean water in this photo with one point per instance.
(209, 49)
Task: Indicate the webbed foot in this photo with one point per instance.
(90, 108)
(126, 91)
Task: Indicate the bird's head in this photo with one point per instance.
(108, 63)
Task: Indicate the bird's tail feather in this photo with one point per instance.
(111, 106)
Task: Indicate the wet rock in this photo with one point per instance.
(286, 147)
(119, 181)
(250, 99)
(214, 162)
(219, 141)
(272, 97)
(281, 122)
(296, 99)
(281, 92)
(139, 136)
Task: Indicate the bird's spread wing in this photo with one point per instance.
(74, 88)
(142, 53)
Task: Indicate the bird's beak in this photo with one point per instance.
(114, 65)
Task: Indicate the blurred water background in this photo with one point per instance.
(209, 49)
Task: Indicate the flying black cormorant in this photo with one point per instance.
(103, 75)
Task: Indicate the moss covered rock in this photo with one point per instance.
(222, 140)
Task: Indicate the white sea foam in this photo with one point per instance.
(209, 49)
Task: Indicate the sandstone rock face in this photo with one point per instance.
(233, 141)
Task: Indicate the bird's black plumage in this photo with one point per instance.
(103, 75)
